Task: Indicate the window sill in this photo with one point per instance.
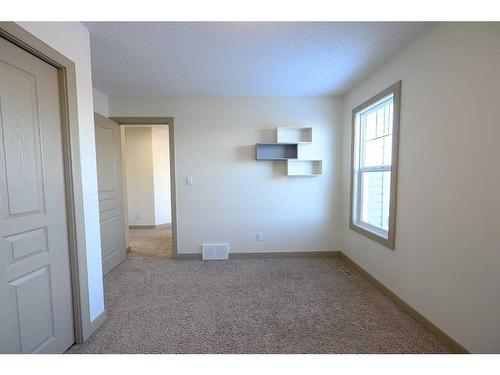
(380, 236)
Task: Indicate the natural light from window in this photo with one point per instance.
(373, 164)
(375, 168)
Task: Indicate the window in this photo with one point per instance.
(375, 166)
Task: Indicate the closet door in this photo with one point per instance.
(35, 286)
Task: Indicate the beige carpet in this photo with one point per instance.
(156, 243)
(295, 305)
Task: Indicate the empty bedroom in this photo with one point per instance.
(251, 185)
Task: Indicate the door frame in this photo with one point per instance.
(171, 139)
(66, 72)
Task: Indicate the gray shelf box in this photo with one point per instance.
(276, 151)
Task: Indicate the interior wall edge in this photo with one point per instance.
(452, 345)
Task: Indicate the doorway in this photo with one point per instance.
(148, 155)
(147, 169)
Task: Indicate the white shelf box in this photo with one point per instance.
(294, 134)
(304, 167)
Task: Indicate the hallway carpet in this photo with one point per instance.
(281, 305)
(155, 242)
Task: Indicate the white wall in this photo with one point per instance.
(101, 103)
(233, 195)
(447, 258)
(139, 172)
(72, 40)
(161, 174)
(147, 165)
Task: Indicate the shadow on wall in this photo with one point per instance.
(267, 135)
(245, 153)
(279, 169)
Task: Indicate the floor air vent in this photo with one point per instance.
(344, 269)
(215, 251)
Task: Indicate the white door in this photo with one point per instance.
(110, 184)
(35, 288)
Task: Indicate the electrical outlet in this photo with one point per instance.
(260, 236)
(189, 180)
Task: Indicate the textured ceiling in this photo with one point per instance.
(240, 58)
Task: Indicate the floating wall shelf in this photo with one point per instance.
(304, 168)
(276, 151)
(287, 148)
(294, 134)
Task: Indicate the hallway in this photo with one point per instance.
(155, 243)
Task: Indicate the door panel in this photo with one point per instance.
(31, 294)
(35, 290)
(22, 156)
(25, 245)
(110, 183)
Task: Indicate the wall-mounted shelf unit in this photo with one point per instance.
(304, 168)
(276, 151)
(287, 148)
(294, 134)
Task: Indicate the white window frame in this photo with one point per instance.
(386, 238)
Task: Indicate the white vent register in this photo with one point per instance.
(215, 251)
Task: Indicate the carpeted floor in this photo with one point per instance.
(292, 305)
(155, 243)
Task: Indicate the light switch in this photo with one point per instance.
(189, 180)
